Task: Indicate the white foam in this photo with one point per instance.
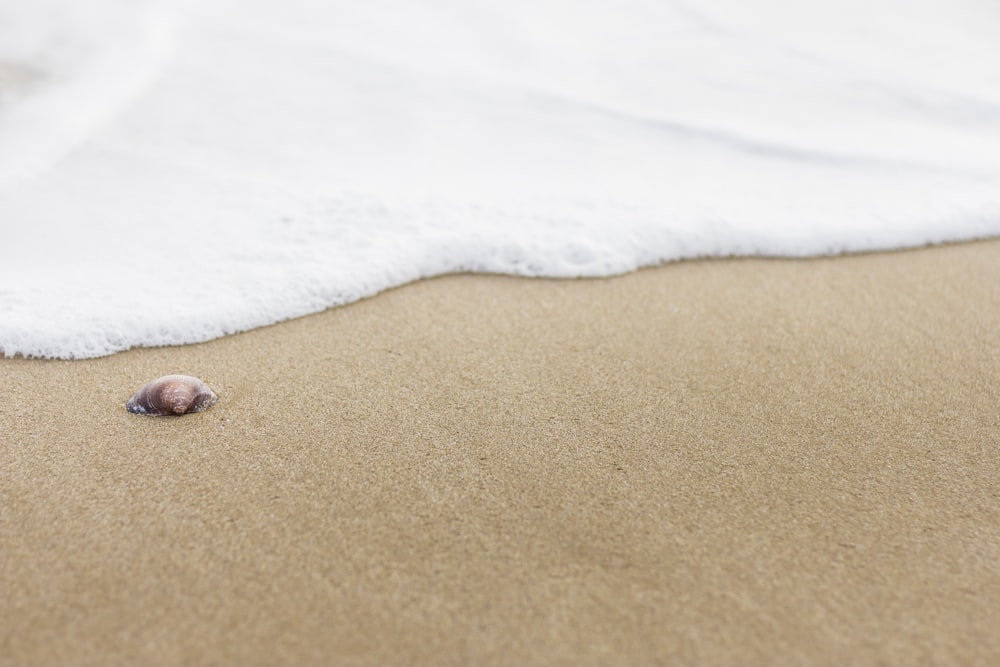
(77, 65)
(282, 157)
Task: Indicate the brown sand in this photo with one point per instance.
(721, 462)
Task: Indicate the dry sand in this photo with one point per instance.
(750, 462)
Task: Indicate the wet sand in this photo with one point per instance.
(751, 462)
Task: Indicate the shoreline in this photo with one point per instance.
(717, 461)
(473, 274)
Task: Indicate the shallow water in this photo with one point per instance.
(173, 171)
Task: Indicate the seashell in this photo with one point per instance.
(172, 395)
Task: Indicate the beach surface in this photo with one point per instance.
(746, 461)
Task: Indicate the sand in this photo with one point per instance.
(753, 462)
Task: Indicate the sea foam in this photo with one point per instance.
(171, 171)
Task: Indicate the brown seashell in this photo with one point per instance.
(172, 395)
